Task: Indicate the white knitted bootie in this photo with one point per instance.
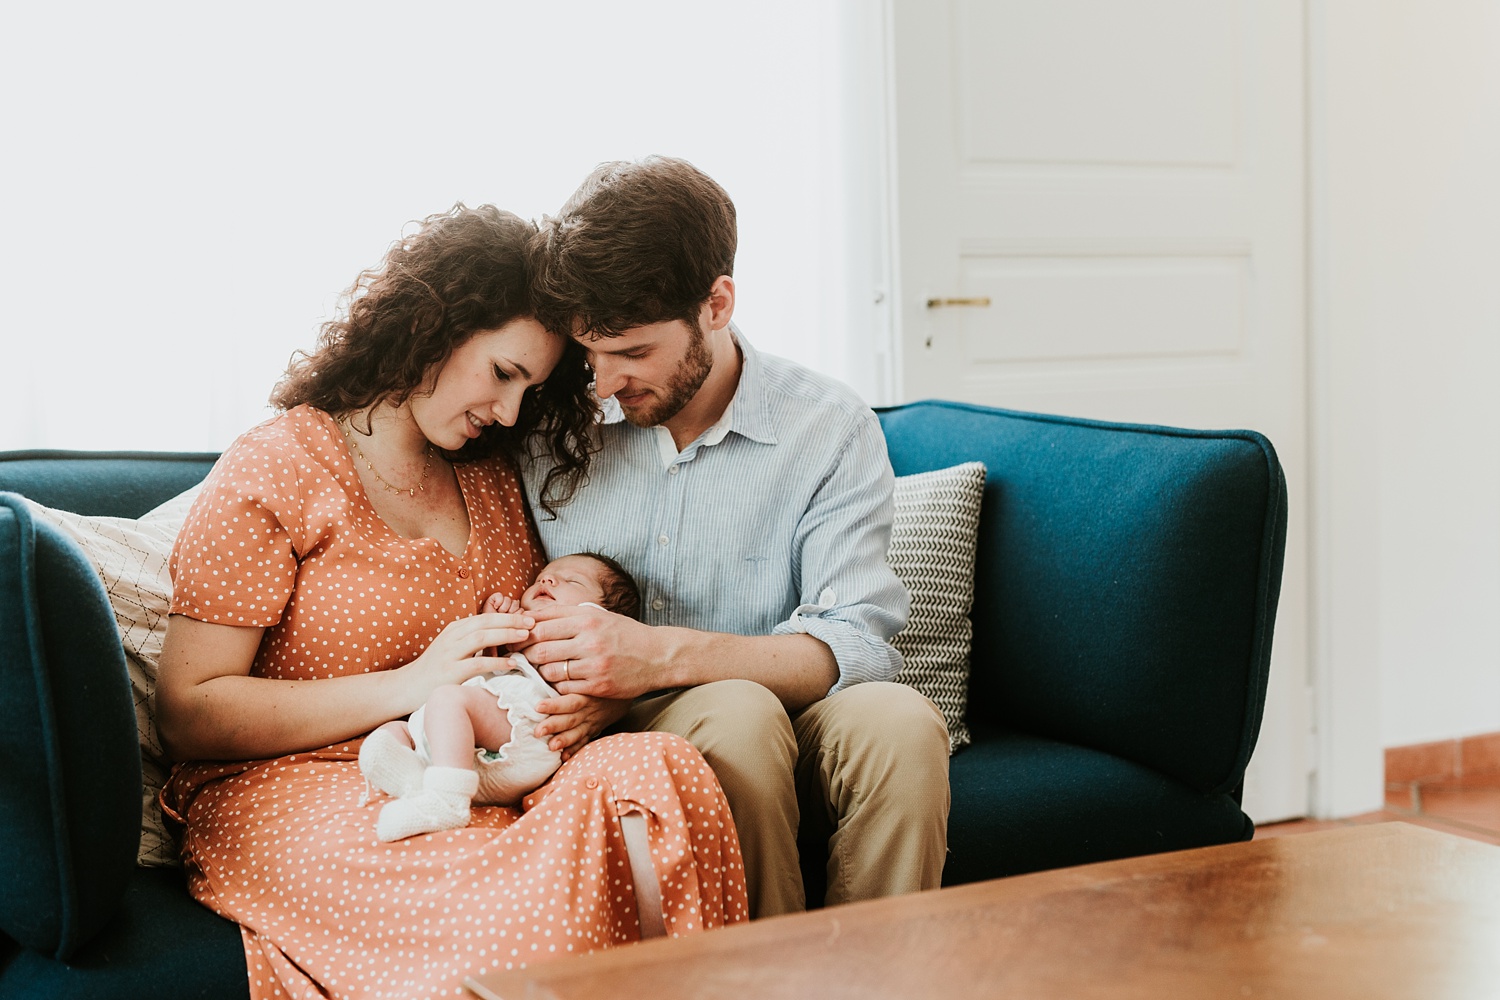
(390, 765)
(441, 804)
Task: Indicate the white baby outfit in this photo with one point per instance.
(522, 764)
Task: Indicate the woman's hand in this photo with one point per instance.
(498, 603)
(574, 719)
(461, 651)
(208, 707)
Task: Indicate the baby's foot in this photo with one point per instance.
(441, 804)
(390, 765)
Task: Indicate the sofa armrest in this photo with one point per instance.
(1126, 583)
(70, 789)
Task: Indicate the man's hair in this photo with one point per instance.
(463, 271)
(621, 595)
(638, 243)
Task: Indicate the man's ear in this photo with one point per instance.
(721, 302)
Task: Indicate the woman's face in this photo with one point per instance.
(483, 381)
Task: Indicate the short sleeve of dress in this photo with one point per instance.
(235, 560)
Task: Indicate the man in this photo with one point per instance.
(752, 501)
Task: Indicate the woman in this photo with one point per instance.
(328, 579)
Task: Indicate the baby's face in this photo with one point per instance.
(569, 580)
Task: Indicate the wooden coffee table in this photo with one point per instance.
(1373, 912)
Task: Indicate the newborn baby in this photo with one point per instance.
(476, 741)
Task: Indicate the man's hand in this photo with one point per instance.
(597, 653)
(574, 719)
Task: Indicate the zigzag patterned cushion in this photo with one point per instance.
(932, 552)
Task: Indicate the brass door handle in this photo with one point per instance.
(978, 302)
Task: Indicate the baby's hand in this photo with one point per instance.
(500, 604)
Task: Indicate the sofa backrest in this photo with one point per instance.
(113, 484)
(1126, 584)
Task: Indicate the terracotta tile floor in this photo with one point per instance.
(1467, 806)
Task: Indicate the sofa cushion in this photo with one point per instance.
(161, 944)
(1126, 580)
(932, 552)
(131, 557)
(1022, 804)
(72, 775)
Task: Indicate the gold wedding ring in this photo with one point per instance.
(567, 670)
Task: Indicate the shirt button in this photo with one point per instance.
(673, 470)
(658, 604)
(662, 539)
(592, 782)
(463, 573)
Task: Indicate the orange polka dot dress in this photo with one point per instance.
(284, 538)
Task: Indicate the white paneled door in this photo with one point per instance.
(1099, 211)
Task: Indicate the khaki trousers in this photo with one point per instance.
(866, 769)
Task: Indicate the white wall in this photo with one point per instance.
(169, 168)
(188, 187)
(1406, 309)
(1439, 372)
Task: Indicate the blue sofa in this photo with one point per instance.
(1126, 589)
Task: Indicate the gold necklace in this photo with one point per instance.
(410, 491)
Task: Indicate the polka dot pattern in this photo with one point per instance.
(283, 538)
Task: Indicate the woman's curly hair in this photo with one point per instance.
(463, 271)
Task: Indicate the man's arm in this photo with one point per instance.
(851, 599)
(851, 604)
(592, 652)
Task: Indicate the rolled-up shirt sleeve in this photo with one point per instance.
(851, 600)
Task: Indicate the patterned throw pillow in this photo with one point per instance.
(932, 552)
(131, 558)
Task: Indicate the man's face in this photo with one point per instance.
(652, 371)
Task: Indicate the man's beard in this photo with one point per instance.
(680, 389)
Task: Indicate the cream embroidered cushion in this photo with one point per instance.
(932, 552)
(131, 558)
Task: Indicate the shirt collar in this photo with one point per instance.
(749, 413)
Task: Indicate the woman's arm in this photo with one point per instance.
(208, 707)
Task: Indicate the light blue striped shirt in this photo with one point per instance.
(774, 521)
